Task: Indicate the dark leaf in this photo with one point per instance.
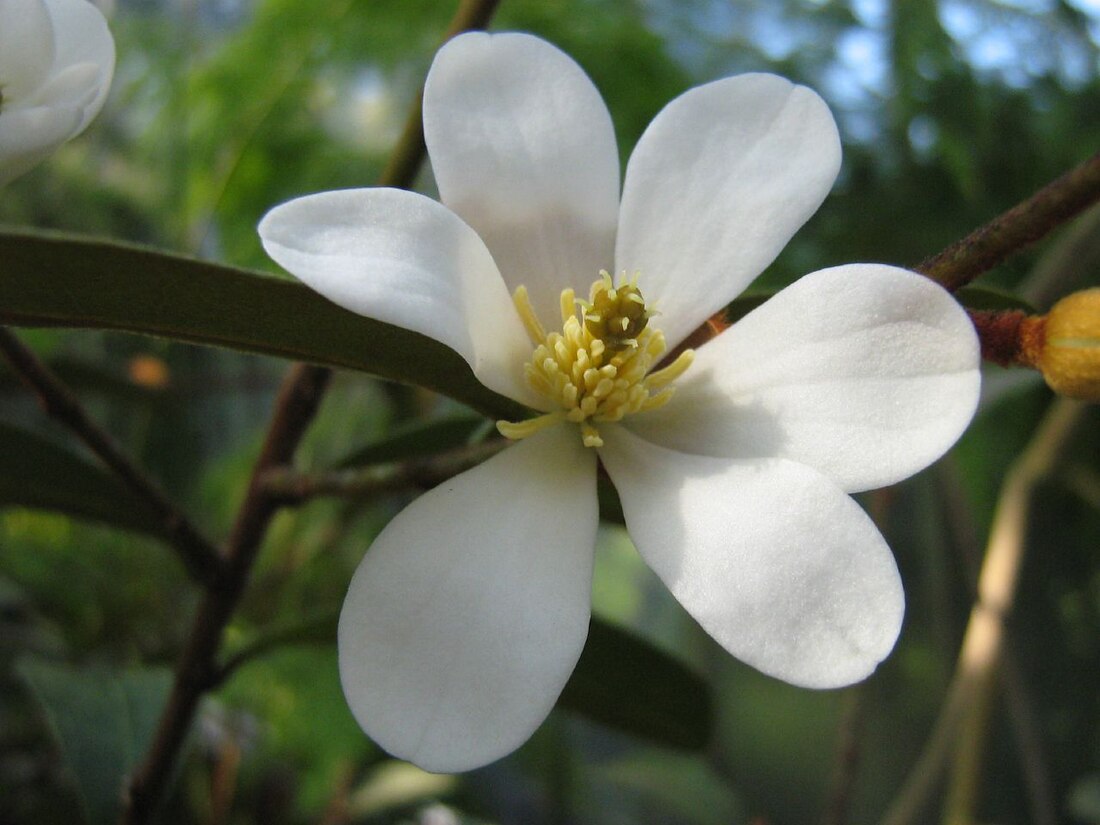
(626, 683)
(56, 281)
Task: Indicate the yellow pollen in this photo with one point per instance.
(598, 368)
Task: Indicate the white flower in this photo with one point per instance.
(468, 614)
(56, 62)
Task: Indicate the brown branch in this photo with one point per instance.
(1009, 337)
(296, 406)
(1019, 227)
(288, 487)
(199, 555)
(298, 400)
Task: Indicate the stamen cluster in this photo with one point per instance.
(598, 370)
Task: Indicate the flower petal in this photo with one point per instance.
(781, 567)
(867, 373)
(81, 35)
(407, 260)
(523, 150)
(29, 136)
(470, 610)
(717, 185)
(26, 47)
(72, 87)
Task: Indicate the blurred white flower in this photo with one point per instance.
(733, 464)
(56, 62)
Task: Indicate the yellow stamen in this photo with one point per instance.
(597, 369)
(527, 314)
(568, 305)
(664, 377)
(516, 430)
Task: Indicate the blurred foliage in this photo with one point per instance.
(950, 110)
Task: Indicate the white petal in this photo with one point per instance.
(781, 567)
(866, 372)
(470, 610)
(81, 35)
(72, 87)
(719, 182)
(26, 47)
(524, 151)
(402, 258)
(29, 136)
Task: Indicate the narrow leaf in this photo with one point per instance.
(38, 473)
(49, 280)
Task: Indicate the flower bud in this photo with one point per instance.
(1069, 357)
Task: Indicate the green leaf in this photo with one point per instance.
(103, 721)
(626, 683)
(38, 473)
(49, 280)
(419, 438)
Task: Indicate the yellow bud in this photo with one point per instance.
(1070, 354)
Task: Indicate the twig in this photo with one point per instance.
(298, 401)
(962, 718)
(199, 555)
(1019, 227)
(289, 487)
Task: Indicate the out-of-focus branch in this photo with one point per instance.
(299, 399)
(960, 729)
(979, 659)
(1019, 227)
(198, 554)
(1019, 701)
(846, 760)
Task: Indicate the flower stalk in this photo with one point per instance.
(1064, 344)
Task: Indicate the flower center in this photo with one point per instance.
(597, 369)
